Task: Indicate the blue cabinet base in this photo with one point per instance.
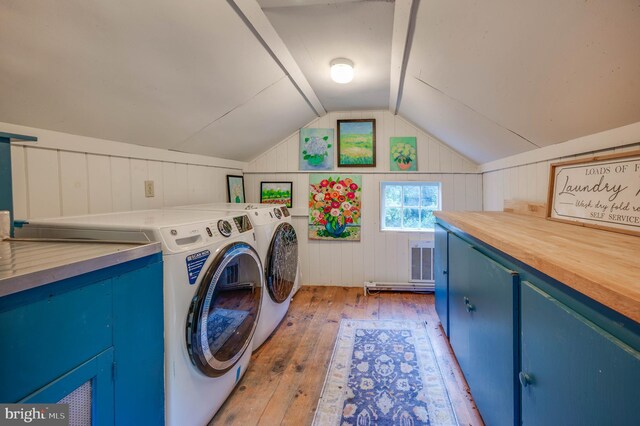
(104, 328)
(571, 359)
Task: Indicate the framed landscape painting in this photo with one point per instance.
(277, 193)
(403, 154)
(335, 207)
(316, 149)
(235, 189)
(357, 143)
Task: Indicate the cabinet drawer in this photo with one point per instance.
(573, 372)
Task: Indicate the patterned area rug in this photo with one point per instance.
(383, 373)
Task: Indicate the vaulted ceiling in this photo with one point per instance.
(232, 78)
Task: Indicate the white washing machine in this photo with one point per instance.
(213, 285)
(277, 244)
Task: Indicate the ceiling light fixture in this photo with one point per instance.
(341, 70)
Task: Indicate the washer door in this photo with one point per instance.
(224, 312)
(282, 262)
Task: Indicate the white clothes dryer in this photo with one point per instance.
(277, 244)
(213, 285)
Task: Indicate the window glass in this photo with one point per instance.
(409, 206)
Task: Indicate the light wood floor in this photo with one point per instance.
(285, 378)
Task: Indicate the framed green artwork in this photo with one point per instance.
(403, 153)
(235, 189)
(357, 143)
(277, 193)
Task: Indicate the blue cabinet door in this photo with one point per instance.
(441, 260)
(482, 329)
(459, 319)
(88, 386)
(492, 339)
(573, 372)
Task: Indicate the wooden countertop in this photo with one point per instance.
(602, 265)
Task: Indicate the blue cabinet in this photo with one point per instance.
(533, 351)
(441, 265)
(573, 371)
(483, 329)
(98, 334)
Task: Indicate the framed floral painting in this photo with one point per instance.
(403, 153)
(335, 207)
(316, 149)
(235, 189)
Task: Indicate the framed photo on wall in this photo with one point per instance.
(357, 143)
(235, 189)
(277, 193)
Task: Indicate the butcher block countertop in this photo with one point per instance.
(25, 264)
(602, 265)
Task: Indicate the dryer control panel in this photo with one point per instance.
(183, 237)
(270, 214)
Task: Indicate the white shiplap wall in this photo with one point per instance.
(63, 175)
(529, 181)
(379, 256)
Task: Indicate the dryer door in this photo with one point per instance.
(224, 312)
(282, 262)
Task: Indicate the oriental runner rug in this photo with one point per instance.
(384, 373)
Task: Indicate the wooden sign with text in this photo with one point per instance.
(599, 192)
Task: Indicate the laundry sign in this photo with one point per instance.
(601, 192)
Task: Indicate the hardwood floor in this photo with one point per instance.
(283, 383)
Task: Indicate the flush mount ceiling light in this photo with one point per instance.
(341, 70)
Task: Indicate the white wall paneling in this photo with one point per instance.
(379, 256)
(433, 155)
(526, 176)
(73, 179)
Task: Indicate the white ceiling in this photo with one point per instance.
(318, 33)
(490, 79)
(151, 72)
(497, 78)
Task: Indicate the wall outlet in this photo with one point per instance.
(148, 189)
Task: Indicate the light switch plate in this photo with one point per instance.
(148, 189)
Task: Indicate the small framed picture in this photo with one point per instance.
(235, 189)
(357, 143)
(277, 193)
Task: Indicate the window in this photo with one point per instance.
(409, 206)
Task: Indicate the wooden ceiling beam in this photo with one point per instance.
(403, 23)
(252, 14)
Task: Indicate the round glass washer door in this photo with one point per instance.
(282, 262)
(224, 312)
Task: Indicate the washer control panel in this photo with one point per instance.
(183, 236)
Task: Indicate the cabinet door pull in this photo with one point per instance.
(468, 304)
(525, 379)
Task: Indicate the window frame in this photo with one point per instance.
(383, 206)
